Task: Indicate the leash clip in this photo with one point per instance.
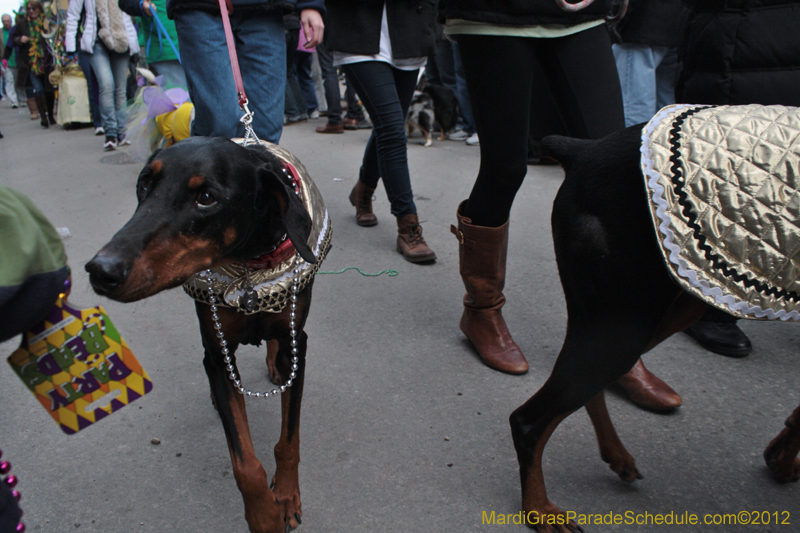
(250, 136)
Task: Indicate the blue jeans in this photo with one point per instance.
(648, 75)
(111, 70)
(37, 83)
(462, 93)
(261, 47)
(386, 92)
(85, 62)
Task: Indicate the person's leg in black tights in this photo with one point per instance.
(499, 86)
(582, 77)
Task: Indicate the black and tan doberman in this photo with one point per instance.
(206, 203)
(621, 302)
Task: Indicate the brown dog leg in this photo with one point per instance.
(272, 352)
(612, 451)
(285, 483)
(539, 511)
(781, 453)
(261, 509)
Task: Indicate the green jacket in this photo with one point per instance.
(149, 32)
(33, 264)
(12, 60)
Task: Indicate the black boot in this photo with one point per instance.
(50, 98)
(41, 106)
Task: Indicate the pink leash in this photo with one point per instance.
(226, 8)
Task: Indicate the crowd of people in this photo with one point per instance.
(518, 74)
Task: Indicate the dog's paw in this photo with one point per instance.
(550, 519)
(623, 464)
(781, 457)
(288, 495)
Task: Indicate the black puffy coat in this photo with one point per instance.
(741, 52)
(652, 22)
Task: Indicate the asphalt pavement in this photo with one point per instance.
(403, 429)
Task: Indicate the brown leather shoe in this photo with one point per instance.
(646, 390)
(361, 199)
(410, 242)
(330, 128)
(349, 123)
(482, 265)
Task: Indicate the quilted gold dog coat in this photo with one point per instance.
(723, 183)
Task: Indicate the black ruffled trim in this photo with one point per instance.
(717, 262)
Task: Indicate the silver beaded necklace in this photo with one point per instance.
(206, 274)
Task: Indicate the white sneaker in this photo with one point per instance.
(314, 115)
(459, 135)
(110, 144)
(472, 140)
(99, 131)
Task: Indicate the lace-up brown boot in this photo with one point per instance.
(482, 264)
(361, 198)
(410, 242)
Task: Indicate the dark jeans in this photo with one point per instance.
(302, 64)
(582, 76)
(294, 105)
(330, 81)
(386, 92)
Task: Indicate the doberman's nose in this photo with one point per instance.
(107, 273)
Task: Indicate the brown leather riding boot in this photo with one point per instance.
(410, 242)
(41, 106)
(361, 198)
(31, 102)
(482, 264)
(646, 390)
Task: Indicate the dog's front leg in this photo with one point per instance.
(612, 451)
(781, 453)
(261, 509)
(286, 483)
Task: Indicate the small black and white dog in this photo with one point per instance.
(433, 104)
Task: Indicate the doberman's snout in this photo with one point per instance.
(107, 273)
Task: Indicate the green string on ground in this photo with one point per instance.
(389, 272)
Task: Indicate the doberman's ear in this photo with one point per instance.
(295, 218)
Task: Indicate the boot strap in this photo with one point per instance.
(469, 243)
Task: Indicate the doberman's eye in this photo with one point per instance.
(206, 199)
(144, 188)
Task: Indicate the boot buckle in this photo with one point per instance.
(459, 235)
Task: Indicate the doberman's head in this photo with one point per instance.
(203, 203)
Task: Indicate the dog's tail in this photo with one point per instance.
(563, 149)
